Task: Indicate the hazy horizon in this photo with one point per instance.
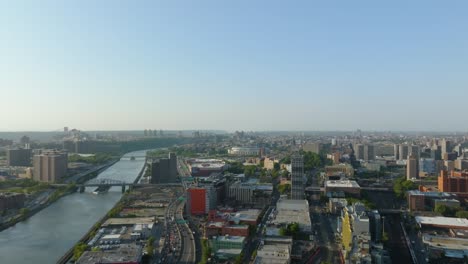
(263, 66)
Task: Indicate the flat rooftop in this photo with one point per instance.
(292, 205)
(342, 184)
(441, 221)
(128, 221)
(232, 239)
(432, 194)
(127, 253)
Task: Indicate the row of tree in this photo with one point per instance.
(450, 211)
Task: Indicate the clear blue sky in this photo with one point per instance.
(268, 65)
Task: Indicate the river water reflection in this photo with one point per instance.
(47, 235)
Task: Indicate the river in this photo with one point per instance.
(47, 235)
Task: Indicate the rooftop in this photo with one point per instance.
(232, 239)
(124, 254)
(342, 184)
(431, 194)
(461, 223)
(128, 221)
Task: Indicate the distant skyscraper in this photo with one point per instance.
(334, 142)
(403, 152)
(436, 152)
(396, 151)
(415, 151)
(369, 152)
(445, 147)
(297, 177)
(359, 151)
(412, 168)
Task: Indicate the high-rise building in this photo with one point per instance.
(18, 157)
(453, 181)
(369, 153)
(173, 165)
(334, 142)
(50, 166)
(427, 166)
(461, 164)
(375, 226)
(297, 177)
(164, 170)
(415, 151)
(314, 147)
(436, 152)
(403, 152)
(412, 168)
(359, 151)
(449, 165)
(445, 146)
(396, 151)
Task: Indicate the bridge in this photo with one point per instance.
(104, 182)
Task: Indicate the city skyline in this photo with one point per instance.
(239, 66)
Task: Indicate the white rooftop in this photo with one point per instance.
(343, 184)
(443, 221)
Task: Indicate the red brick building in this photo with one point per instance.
(453, 181)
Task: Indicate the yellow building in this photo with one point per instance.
(346, 231)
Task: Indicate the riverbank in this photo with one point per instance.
(64, 222)
(58, 193)
(27, 213)
(75, 252)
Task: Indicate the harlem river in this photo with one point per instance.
(47, 235)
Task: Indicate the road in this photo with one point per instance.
(179, 246)
(323, 229)
(188, 242)
(324, 234)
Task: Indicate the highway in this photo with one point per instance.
(180, 241)
(188, 244)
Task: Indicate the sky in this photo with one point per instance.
(234, 65)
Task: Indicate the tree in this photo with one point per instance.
(250, 170)
(283, 231)
(236, 167)
(445, 210)
(276, 166)
(401, 186)
(293, 229)
(286, 160)
(385, 237)
(78, 250)
(24, 211)
(284, 188)
(462, 214)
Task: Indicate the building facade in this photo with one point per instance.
(412, 168)
(314, 147)
(50, 166)
(164, 170)
(297, 177)
(453, 181)
(19, 157)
